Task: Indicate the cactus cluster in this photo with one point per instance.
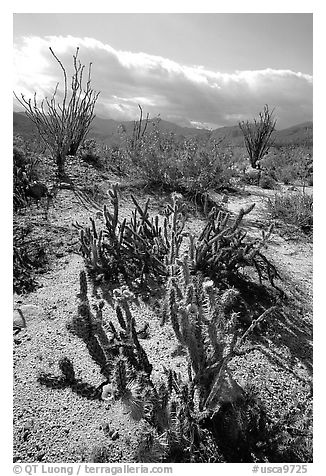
(206, 323)
(176, 408)
(141, 246)
(200, 304)
(104, 342)
(134, 248)
(118, 352)
(176, 432)
(221, 250)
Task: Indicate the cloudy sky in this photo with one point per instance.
(202, 70)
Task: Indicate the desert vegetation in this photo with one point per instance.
(153, 314)
(63, 125)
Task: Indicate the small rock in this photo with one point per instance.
(115, 435)
(19, 321)
(28, 425)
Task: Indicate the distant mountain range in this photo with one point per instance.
(108, 131)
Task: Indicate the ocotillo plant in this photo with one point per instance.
(134, 248)
(134, 145)
(257, 136)
(63, 126)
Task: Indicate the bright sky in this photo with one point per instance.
(193, 69)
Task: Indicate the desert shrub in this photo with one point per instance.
(117, 160)
(151, 153)
(100, 454)
(304, 170)
(25, 170)
(29, 256)
(250, 176)
(164, 160)
(158, 164)
(90, 153)
(19, 157)
(286, 176)
(205, 165)
(267, 182)
(290, 164)
(294, 208)
(19, 186)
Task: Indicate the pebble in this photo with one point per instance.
(28, 425)
(18, 320)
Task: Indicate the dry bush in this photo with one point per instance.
(290, 164)
(257, 136)
(295, 209)
(63, 125)
(164, 160)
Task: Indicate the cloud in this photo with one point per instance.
(180, 93)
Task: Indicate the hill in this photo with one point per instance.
(109, 131)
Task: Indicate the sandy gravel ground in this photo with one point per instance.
(58, 425)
